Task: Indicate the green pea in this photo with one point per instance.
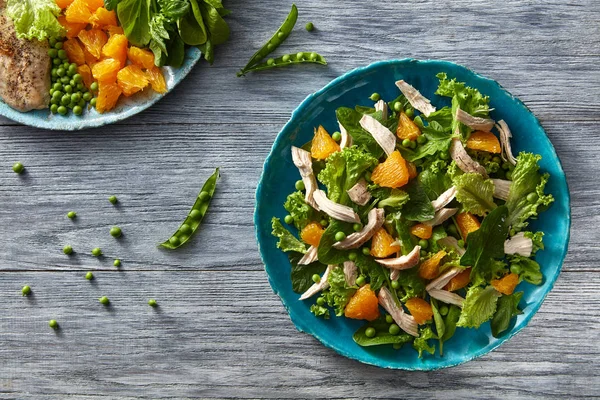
(352, 256)
(424, 244)
(505, 166)
(53, 324)
(444, 310)
(310, 27)
(65, 80)
(56, 61)
(270, 47)
(285, 58)
(96, 252)
(413, 144)
(271, 61)
(68, 250)
(532, 197)
(53, 73)
(115, 231)
(337, 136)
(81, 104)
(389, 319)
(406, 143)
(66, 64)
(313, 56)
(54, 108)
(62, 110)
(117, 263)
(57, 94)
(71, 214)
(72, 69)
(509, 175)
(421, 139)
(452, 229)
(61, 72)
(397, 106)
(300, 56)
(370, 332)
(288, 219)
(87, 96)
(52, 42)
(366, 251)
(174, 240)
(51, 92)
(203, 196)
(461, 243)
(444, 155)
(316, 278)
(185, 229)
(26, 290)
(394, 329)
(152, 303)
(339, 236)
(397, 346)
(94, 86)
(360, 280)
(65, 100)
(52, 53)
(395, 284)
(69, 89)
(75, 97)
(423, 253)
(62, 54)
(299, 185)
(321, 301)
(55, 101)
(280, 35)
(410, 112)
(104, 300)
(195, 214)
(77, 77)
(58, 45)
(77, 110)
(89, 276)
(375, 96)
(357, 227)
(113, 199)
(93, 102)
(18, 168)
(80, 87)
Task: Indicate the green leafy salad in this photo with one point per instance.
(414, 219)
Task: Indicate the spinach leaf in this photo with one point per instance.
(434, 182)
(191, 26)
(175, 51)
(382, 337)
(350, 120)
(418, 207)
(217, 27)
(506, 310)
(173, 9)
(301, 275)
(110, 5)
(450, 322)
(326, 253)
(369, 267)
(134, 16)
(208, 50)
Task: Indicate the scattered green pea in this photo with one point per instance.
(424, 244)
(337, 136)
(352, 256)
(89, 276)
(54, 108)
(87, 96)
(52, 42)
(26, 290)
(532, 197)
(93, 102)
(421, 139)
(68, 250)
(444, 310)
(77, 78)
(506, 166)
(97, 252)
(410, 112)
(75, 97)
(68, 89)
(65, 100)
(397, 106)
(152, 303)
(117, 263)
(321, 301)
(395, 284)
(53, 324)
(56, 62)
(113, 199)
(357, 227)
(413, 144)
(375, 96)
(58, 45)
(423, 253)
(104, 300)
(65, 80)
(360, 280)
(406, 143)
(71, 214)
(339, 236)
(18, 168)
(288, 219)
(94, 86)
(316, 278)
(461, 243)
(115, 231)
(310, 27)
(389, 319)
(299, 185)
(62, 54)
(394, 329)
(370, 332)
(62, 110)
(496, 159)
(77, 110)
(444, 155)
(366, 251)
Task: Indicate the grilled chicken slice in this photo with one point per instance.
(477, 123)
(463, 160)
(303, 161)
(443, 279)
(441, 216)
(519, 244)
(382, 135)
(444, 199)
(376, 218)
(359, 193)
(24, 69)
(317, 287)
(403, 262)
(310, 257)
(501, 188)
(415, 98)
(446, 297)
(333, 209)
(406, 322)
(346, 140)
(382, 106)
(350, 273)
(505, 136)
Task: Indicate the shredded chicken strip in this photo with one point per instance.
(441, 216)
(519, 244)
(382, 106)
(477, 123)
(406, 322)
(350, 273)
(443, 279)
(463, 160)
(446, 297)
(310, 256)
(376, 218)
(317, 287)
(334, 210)
(505, 136)
(415, 98)
(382, 135)
(403, 262)
(444, 199)
(501, 188)
(359, 193)
(452, 243)
(303, 161)
(346, 140)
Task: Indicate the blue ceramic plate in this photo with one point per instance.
(126, 107)
(354, 88)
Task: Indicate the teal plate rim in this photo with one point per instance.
(302, 325)
(126, 107)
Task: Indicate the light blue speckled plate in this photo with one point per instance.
(354, 88)
(126, 107)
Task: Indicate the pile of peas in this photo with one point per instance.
(67, 90)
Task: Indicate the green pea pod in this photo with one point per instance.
(288, 59)
(196, 215)
(282, 33)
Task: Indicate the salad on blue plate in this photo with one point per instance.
(414, 219)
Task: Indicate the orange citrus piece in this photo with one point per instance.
(312, 233)
(114, 30)
(459, 281)
(116, 48)
(382, 244)
(140, 57)
(62, 4)
(392, 173)
(132, 79)
(430, 268)
(93, 40)
(507, 284)
(73, 29)
(102, 18)
(108, 95)
(106, 70)
(93, 5)
(157, 80)
(78, 12)
(407, 129)
(485, 141)
(419, 309)
(86, 73)
(323, 145)
(422, 231)
(467, 223)
(363, 304)
(74, 51)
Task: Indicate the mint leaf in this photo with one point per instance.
(479, 306)
(287, 241)
(475, 193)
(326, 253)
(507, 308)
(438, 140)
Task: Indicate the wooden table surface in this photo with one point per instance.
(220, 331)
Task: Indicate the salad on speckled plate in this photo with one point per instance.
(414, 219)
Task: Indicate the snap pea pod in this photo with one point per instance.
(282, 33)
(196, 215)
(288, 59)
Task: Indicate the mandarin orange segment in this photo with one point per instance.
(74, 51)
(392, 173)
(90, 60)
(312, 233)
(73, 29)
(106, 70)
(363, 304)
(114, 30)
(412, 170)
(467, 223)
(422, 231)
(407, 129)
(383, 244)
(140, 57)
(103, 18)
(93, 40)
(459, 281)
(419, 309)
(132, 79)
(507, 284)
(116, 48)
(86, 73)
(323, 145)
(430, 268)
(63, 3)
(78, 12)
(108, 95)
(485, 141)
(157, 80)
(93, 5)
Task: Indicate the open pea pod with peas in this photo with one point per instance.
(196, 215)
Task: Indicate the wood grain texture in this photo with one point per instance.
(220, 332)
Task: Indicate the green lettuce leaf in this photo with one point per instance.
(418, 207)
(479, 306)
(438, 233)
(475, 193)
(538, 240)
(506, 310)
(526, 179)
(287, 241)
(339, 293)
(35, 19)
(421, 343)
(438, 140)
(411, 284)
(382, 337)
(301, 275)
(402, 229)
(395, 199)
(299, 210)
(526, 268)
(434, 181)
(320, 311)
(443, 116)
(350, 120)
